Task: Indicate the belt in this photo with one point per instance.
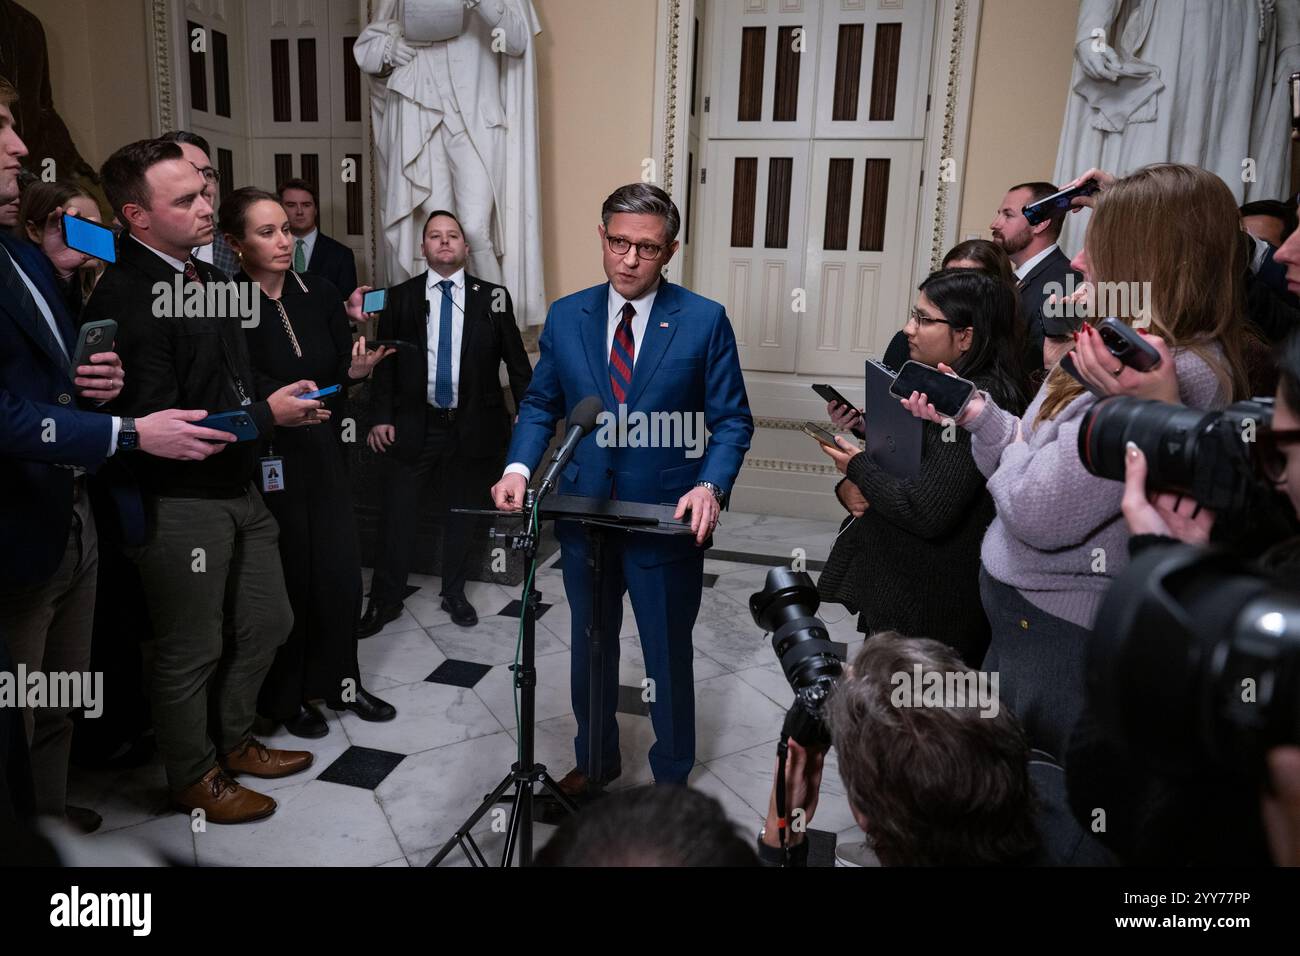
(444, 415)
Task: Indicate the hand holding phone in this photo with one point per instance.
(1059, 203)
(948, 394)
(320, 393)
(374, 300)
(823, 436)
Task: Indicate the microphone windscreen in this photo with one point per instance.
(584, 414)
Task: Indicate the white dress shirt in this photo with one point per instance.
(172, 261)
(43, 308)
(433, 296)
(1028, 265)
(643, 304)
(308, 244)
(204, 253)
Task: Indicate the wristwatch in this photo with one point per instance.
(128, 439)
(714, 490)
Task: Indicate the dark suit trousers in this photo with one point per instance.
(665, 601)
(215, 587)
(48, 627)
(464, 483)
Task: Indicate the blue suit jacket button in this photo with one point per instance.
(65, 398)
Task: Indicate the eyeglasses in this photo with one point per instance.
(922, 320)
(210, 174)
(1268, 449)
(619, 245)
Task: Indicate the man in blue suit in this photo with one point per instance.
(653, 352)
(51, 435)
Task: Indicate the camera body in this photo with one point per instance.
(1209, 456)
(1194, 661)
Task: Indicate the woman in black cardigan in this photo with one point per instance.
(302, 333)
(909, 560)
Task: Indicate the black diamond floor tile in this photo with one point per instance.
(458, 673)
(361, 767)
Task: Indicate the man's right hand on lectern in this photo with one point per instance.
(508, 493)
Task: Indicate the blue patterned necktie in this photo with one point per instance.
(442, 383)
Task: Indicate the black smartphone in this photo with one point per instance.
(947, 393)
(1067, 363)
(1123, 342)
(89, 237)
(1057, 204)
(390, 343)
(374, 300)
(94, 337)
(827, 438)
(829, 393)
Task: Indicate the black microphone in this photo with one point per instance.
(581, 420)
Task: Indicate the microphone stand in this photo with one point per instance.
(526, 771)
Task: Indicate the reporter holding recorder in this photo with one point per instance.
(304, 334)
(208, 563)
(929, 528)
(1057, 537)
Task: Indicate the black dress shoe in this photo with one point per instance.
(461, 611)
(367, 706)
(308, 722)
(376, 616)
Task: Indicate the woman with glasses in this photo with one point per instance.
(1057, 538)
(303, 333)
(909, 562)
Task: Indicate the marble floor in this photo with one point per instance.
(390, 794)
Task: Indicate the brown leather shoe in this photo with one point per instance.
(224, 801)
(255, 758)
(575, 783)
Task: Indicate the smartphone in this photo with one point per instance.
(1125, 344)
(320, 393)
(827, 438)
(94, 337)
(829, 393)
(374, 300)
(238, 423)
(89, 237)
(1057, 204)
(1067, 363)
(947, 393)
(389, 343)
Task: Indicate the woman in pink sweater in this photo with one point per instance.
(1168, 235)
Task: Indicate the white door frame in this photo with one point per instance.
(947, 125)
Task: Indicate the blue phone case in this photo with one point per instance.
(89, 237)
(320, 393)
(238, 423)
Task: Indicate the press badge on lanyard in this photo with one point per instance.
(272, 472)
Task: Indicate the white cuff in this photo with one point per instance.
(518, 468)
(112, 438)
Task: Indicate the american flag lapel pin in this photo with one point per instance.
(663, 325)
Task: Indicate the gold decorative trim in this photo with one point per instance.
(793, 467)
(670, 110)
(949, 119)
(161, 34)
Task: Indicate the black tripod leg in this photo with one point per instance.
(560, 797)
(512, 830)
(463, 832)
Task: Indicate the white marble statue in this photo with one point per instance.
(1191, 81)
(454, 106)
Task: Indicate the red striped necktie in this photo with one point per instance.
(622, 356)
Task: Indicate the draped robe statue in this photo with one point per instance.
(454, 106)
(1203, 82)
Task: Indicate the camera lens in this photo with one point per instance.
(1167, 435)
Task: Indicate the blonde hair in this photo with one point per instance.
(1177, 228)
